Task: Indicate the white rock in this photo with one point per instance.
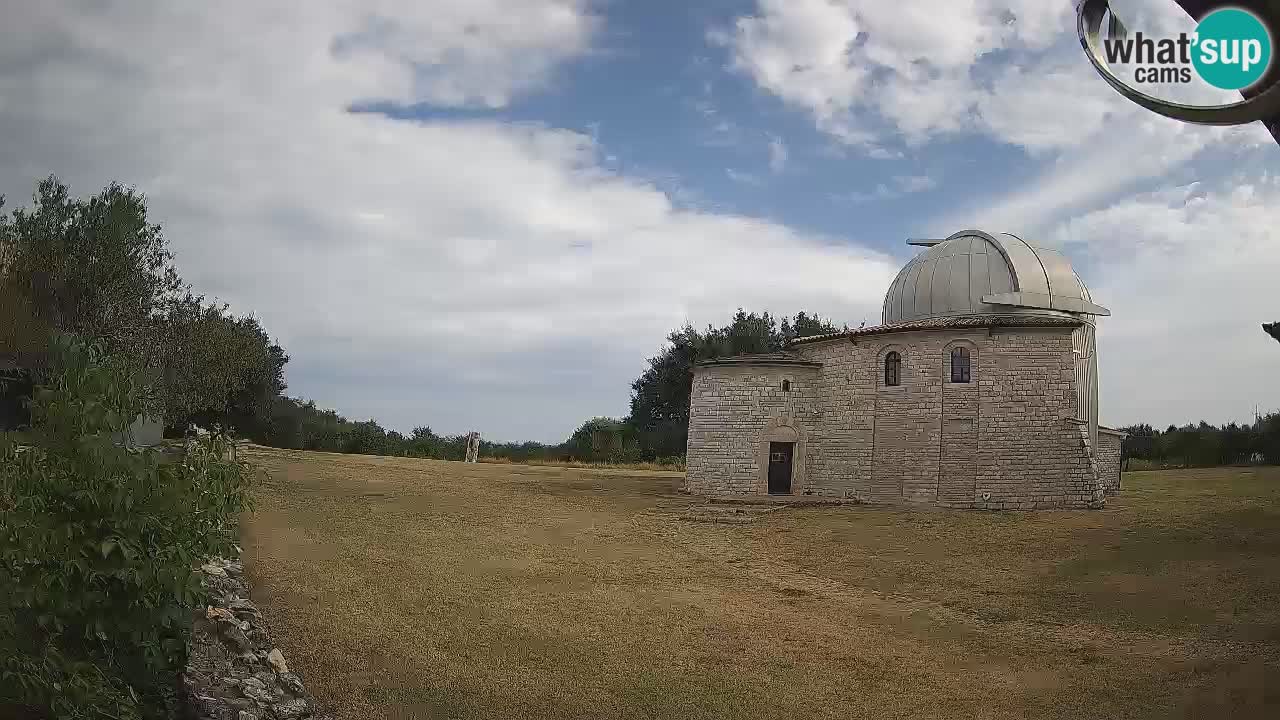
(217, 613)
(276, 659)
(214, 570)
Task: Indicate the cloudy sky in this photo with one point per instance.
(486, 214)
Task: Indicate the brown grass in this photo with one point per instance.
(422, 589)
(662, 467)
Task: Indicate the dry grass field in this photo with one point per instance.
(422, 589)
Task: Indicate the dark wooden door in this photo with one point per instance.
(780, 454)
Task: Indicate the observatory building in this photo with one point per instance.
(978, 390)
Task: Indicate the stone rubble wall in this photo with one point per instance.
(234, 672)
(1006, 440)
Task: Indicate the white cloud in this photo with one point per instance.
(777, 154)
(860, 197)
(901, 185)
(914, 183)
(873, 74)
(1051, 105)
(465, 274)
(447, 52)
(799, 51)
(745, 178)
(905, 62)
(1142, 147)
(1189, 274)
(917, 69)
(463, 52)
(879, 153)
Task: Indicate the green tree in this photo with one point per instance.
(1140, 442)
(99, 268)
(1267, 438)
(423, 443)
(218, 369)
(603, 439)
(95, 267)
(805, 325)
(1235, 443)
(366, 438)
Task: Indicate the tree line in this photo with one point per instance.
(1204, 445)
(654, 431)
(97, 267)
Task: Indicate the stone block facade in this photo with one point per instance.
(1110, 445)
(738, 411)
(1008, 439)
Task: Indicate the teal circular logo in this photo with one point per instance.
(1232, 49)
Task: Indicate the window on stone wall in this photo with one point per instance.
(960, 367)
(893, 369)
(786, 386)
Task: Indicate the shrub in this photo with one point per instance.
(99, 545)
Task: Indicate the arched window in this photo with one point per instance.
(893, 369)
(786, 386)
(960, 365)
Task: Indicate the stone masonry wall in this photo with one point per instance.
(1006, 440)
(840, 449)
(1109, 453)
(959, 456)
(885, 444)
(730, 410)
(1031, 453)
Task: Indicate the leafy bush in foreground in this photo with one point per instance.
(98, 546)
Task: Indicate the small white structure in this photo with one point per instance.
(143, 432)
(147, 431)
(473, 447)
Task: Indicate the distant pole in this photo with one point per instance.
(473, 447)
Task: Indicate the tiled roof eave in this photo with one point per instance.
(763, 359)
(958, 322)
